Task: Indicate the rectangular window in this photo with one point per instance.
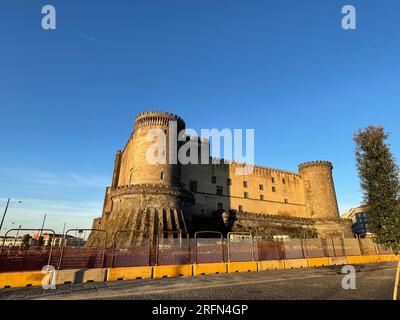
(284, 181)
(193, 186)
(246, 195)
(162, 175)
(286, 201)
(273, 189)
(219, 190)
(213, 179)
(261, 187)
(219, 206)
(273, 180)
(240, 208)
(229, 182)
(245, 184)
(261, 197)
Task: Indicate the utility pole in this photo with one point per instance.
(16, 237)
(5, 212)
(63, 232)
(41, 230)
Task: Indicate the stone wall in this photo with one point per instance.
(268, 226)
(268, 191)
(143, 211)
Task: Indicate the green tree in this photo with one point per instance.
(379, 175)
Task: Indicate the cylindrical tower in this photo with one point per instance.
(153, 134)
(146, 198)
(319, 189)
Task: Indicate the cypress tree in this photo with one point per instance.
(379, 175)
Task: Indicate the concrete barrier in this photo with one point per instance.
(80, 275)
(373, 258)
(387, 257)
(209, 268)
(23, 279)
(184, 270)
(270, 265)
(247, 266)
(129, 273)
(296, 263)
(395, 257)
(338, 261)
(356, 259)
(318, 262)
(38, 278)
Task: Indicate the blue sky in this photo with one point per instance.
(68, 97)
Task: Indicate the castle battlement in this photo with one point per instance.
(316, 163)
(157, 118)
(257, 168)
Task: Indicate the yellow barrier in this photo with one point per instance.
(184, 270)
(388, 257)
(270, 265)
(129, 273)
(38, 278)
(80, 275)
(296, 263)
(209, 268)
(318, 262)
(23, 279)
(356, 259)
(242, 266)
(373, 258)
(337, 261)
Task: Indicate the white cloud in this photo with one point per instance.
(51, 179)
(30, 213)
(65, 197)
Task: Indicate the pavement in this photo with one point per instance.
(373, 282)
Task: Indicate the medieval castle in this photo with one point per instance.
(153, 199)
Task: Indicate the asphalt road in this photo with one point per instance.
(373, 282)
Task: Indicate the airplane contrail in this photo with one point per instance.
(89, 38)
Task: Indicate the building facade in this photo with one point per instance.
(359, 218)
(147, 199)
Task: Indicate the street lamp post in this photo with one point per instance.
(16, 237)
(5, 211)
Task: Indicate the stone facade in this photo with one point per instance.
(148, 199)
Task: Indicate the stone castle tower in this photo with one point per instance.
(145, 199)
(319, 189)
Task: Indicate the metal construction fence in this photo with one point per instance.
(205, 247)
